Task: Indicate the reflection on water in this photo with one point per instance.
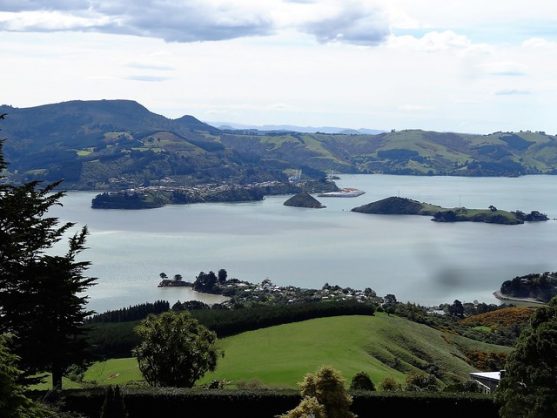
(410, 256)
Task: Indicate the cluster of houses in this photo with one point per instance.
(268, 292)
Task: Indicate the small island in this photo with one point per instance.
(177, 281)
(405, 206)
(304, 200)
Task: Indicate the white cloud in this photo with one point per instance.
(504, 69)
(461, 15)
(351, 21)
(433, 70)
(46, 21)
(512, 92)
(433, 42)
(182, 21)
(414, 108)
(539, 43)
(363, 22)
(146, 77)
(150, 66)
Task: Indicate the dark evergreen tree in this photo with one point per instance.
(132, 313)
(205, 282)
(13, 402)
(390, 299)
(41, 299)
(51, 335)
(456, 309)
(222, 275)
(529, 385)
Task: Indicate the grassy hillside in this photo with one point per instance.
(381, 345)
(281, 355)
(119, 143)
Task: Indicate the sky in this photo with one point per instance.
(446, 65)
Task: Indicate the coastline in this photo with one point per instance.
(527, 301)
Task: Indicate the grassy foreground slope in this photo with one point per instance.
(381, 345)
(281, 355)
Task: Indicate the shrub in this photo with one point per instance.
(390, 385)
(420, 382)
(362, 381)
(324, 394)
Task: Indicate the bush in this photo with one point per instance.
(470, 386)
(323, 395)
(420, 382)
(250, 384)
(362, 381)
(390, 385)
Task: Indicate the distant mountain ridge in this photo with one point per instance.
(114, 144)
(294, 128)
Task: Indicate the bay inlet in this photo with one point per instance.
(416, 259)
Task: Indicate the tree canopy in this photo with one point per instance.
(205, 282)
(176, 350)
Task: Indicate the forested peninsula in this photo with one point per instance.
(156, 197)
(537, 287)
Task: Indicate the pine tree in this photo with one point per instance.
(41, 300)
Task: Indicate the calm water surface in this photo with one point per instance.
(410, 256)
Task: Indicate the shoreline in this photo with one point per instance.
(505, 298)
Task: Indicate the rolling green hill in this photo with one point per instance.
(111, 144)
(381, 345)
(114, 144)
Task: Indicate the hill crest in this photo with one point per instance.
(104, 144)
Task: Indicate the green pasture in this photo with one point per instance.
(280, 356)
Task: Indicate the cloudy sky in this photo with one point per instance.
(459, 65)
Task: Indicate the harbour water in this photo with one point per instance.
(410, 256)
